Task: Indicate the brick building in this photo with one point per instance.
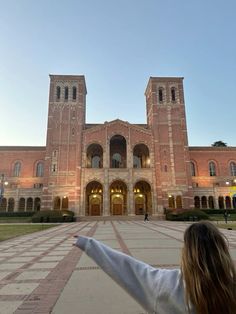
(117, 168)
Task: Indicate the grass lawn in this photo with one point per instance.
(15, 219)
(15, 230)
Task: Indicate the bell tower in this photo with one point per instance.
(66, 120)
(167, 120)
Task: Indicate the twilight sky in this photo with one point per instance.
(118, 45)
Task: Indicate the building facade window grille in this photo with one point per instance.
(66, 93)
(74, 92)
(173, 94)
(212, 169)
(58, 92)
(17, 169)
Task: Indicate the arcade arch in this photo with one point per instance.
(141, 157)
(118, 198)
(94, 199)
(142, 198)
(118, 152)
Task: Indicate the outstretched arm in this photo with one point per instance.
(137, 278)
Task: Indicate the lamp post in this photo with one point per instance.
(3, 183)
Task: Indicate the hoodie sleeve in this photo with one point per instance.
(137, 278)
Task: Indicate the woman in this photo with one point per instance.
(206, 283)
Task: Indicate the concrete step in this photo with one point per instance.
(117, 217)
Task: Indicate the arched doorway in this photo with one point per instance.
(142, 198)
(118, 198)
(94, 199)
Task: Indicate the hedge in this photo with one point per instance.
(53, 216)
(191, 215)
(218, 211)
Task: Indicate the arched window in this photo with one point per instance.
(116, 160)
(94, 156)
(96, 162)
(3, 204)
(74, 92)
(29, 204)
(178, 201)
(11, 204)
(21, 205)
(173, 96)
(39, 169)
(197, 202)
(58, 92)
(228, 202)
(65, 203)
(160, 95)
(37, 204)
(212, 169)
(211, 202)
(192, 168)
(221, 202)
(57, 203)
(165, 168)
(16, 169)
(66, 93)
(232, 168)
(171, 201)
(204, 202)
(141, 157)
(118, 151)
(136, 162)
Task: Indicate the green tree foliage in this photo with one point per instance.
(219, 144)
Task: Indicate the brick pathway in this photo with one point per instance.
(43, 273)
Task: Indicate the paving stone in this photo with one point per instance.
(26, 275)
(4, 274)
(9, 307)
(21, 259)
(51, 258)
(10, 266)
(43, 265)
(18, 288)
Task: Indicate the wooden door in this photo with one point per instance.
(95, 210)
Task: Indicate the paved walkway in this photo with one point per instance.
(43, 273)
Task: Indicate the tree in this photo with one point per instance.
(219, 144)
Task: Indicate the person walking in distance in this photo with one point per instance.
(146, 217)
(204, 284)
(226, 216)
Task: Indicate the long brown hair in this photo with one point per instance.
(208, 270)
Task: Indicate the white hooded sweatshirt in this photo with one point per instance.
(157, 290)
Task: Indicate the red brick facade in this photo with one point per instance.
(117, 168)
